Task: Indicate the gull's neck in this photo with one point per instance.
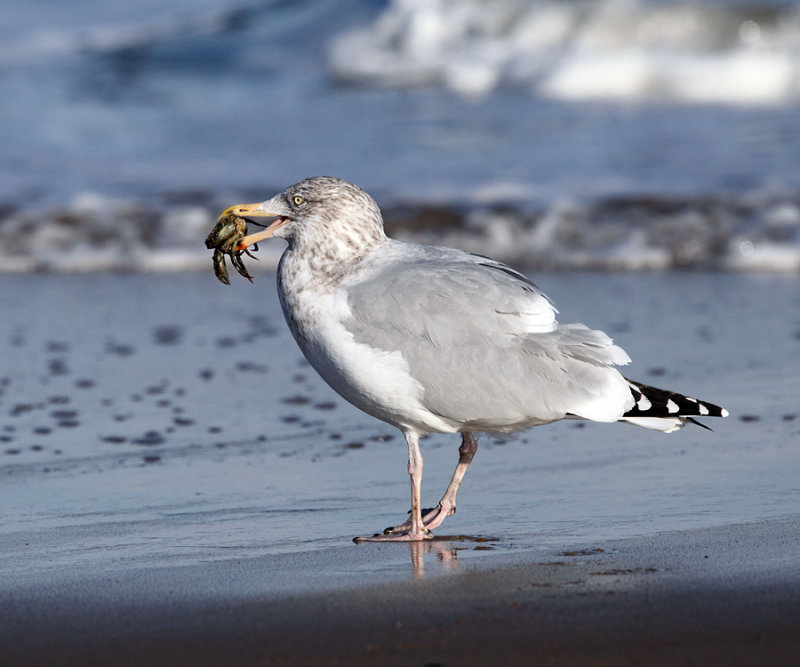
(321, 256)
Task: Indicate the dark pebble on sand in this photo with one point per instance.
(114, 439)
(261, 326)
(182, 421)
(583, 552)
(167, 334)
(84, 383)
(156, 389)
(59, 400)
(327, 405)
(354, 445)
(6, 438)
(12, 451)
(150, 439)
(57, 346)
(119, 350)
(226, 342)
(298, 399)
(789, 418)
(335, 436)
(151, 459)
(64, 414)
(68, 423)
(57, 367)
(42, 430)
(619, 327)
(290, 419)
(749, 418)
(657, 371)
(705, 334)
(21, 408)
(206, 374)
(267, 332)
(215, 429)
(250, 367)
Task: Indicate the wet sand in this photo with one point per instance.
(718, 596)
(178, 487)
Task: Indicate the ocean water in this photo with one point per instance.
(613, 134)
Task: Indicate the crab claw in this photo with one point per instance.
(220, 270)
(238, 264)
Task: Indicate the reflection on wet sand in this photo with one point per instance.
(446, 550)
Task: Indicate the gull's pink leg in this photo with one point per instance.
(447, 505)
(433, 518)
(415, 530)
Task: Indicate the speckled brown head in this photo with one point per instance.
(321, 212)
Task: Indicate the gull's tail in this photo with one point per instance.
(666, 411)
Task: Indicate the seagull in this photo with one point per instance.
(438, 340)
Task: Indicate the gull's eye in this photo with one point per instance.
(297, 200)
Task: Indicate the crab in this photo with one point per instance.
(225, 239)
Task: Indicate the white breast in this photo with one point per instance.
(376, 381)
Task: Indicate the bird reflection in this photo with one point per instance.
(445, 554)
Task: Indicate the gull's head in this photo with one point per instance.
(317, 211)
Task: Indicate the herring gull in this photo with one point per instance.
(433, 339)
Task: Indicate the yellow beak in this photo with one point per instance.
(253, 211)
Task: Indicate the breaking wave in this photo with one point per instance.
(731, 233)
(629, 50)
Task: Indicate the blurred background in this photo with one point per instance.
(612, 134)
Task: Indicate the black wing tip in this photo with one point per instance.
(654, 402)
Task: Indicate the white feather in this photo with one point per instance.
(665, 424)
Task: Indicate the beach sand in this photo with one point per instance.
(178, 487)
(715, 596)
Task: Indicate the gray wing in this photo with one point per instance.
(482, 339)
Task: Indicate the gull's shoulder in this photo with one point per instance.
(400, 258)
(419, 282)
